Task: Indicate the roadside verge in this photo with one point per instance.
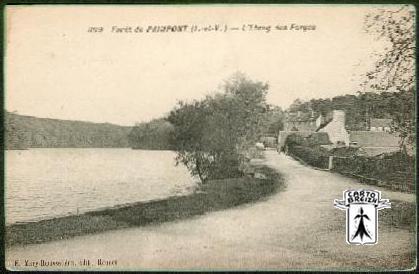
(213, 196)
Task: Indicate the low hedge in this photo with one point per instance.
(394, 169)
(314, 156)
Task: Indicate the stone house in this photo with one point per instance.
(335, 128)
(307, 124)
(300, 121)
(374, 142)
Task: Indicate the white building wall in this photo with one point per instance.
(319, 121)
(336, 128)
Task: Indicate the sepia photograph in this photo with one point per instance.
(224, 137)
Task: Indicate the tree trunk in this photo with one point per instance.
(198, 170)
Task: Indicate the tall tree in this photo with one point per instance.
(273, 121)
(212, 136)
(394, 70)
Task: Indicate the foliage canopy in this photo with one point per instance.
(394, 69)
(212, 136)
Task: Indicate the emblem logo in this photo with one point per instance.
(362, 215)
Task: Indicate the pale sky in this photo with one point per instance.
(55, 68)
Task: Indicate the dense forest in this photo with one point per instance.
(30, 132)
(361, 107)
(23, 132)
(27, 131)
(155, 134)
(159, 133)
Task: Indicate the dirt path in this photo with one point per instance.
(297, 228)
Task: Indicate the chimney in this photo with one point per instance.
(339, 117)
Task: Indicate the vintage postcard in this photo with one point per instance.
(210, 137)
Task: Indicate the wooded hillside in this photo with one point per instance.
(32, 132)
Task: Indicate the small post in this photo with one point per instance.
(330, 162)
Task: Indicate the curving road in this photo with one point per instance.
(297, 228)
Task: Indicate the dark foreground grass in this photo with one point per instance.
(401, 215)
(215, 195)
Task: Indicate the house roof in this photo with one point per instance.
(374, 139)
(303, 133)
(380, 122)
(283, 136)
(303, 117)
(374, 151)
(323, 125)
(344, 151)
(319, 138)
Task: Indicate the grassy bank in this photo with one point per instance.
(401, 215)
(215, 195)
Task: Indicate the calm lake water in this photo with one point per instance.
(45, 183)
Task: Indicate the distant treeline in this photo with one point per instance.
(359, 108)
(159, 133)
(23, 132)
(31, 132)
(155, 134)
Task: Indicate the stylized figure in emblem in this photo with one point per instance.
(362, 206)
(361, 231)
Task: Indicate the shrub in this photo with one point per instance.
(212, 136)
(315, 156)
(397, 169)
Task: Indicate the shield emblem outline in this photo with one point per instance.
(346, 203)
